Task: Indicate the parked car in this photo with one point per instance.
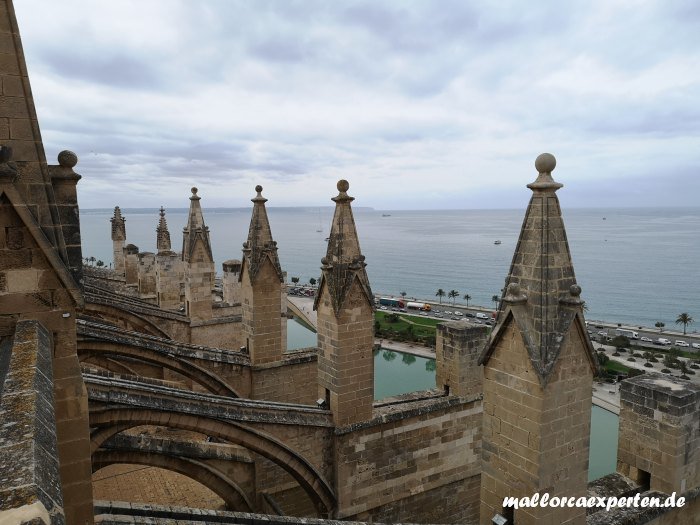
(469, 314)
(646, 339)
(603, 333)
(681, 343)
(695, 345)
(482, 315)
(662, 341)
(458, 313)
(383, 308)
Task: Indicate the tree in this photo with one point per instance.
(467, 298)
(602, 358)
(620, 342)
(100, 264)
(496, 299)
(683, 368)
(440, 294)
(648, 356)
(659, 325)
(453, 295)
(295, 280)
(685, 320)
(92, 260)
(312, 281)
(403, 294)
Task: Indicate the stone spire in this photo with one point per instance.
(162, 234)
(118, 225)
(261, 282)
(541, 291)
(260, 245)
(195, 230)
(344, 263)
(345, 309)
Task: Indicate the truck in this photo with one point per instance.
(630, 334)
(418, 306)
(662, 341)
(390, 301)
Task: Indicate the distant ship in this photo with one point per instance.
(497, 242)
(386, 214)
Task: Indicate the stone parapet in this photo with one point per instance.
(30, 486)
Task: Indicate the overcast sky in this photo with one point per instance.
(419, 104)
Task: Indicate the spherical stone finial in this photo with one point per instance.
(513, 289)
(67, 159)
(575, 290)
(343, 185)
(324, 261)
(258, 188)
(545, 163)
(194, 190)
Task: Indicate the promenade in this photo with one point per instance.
(604, 395)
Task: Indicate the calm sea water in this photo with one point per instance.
(635, 266)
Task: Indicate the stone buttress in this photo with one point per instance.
(40, 261)
(118, 239)
(538, 372)
(345, 308)
(261, 280)
(169, 268)
(198, 262)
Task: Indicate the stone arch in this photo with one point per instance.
(208, 380)
(125, 319)
(111, 365)
(234, 497)
(110, 421)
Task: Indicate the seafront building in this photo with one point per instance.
(150, 364)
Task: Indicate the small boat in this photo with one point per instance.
(386, 214)
(497, 242)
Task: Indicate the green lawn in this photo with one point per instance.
(614, 366)
(422, 326)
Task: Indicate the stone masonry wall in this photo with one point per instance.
(147, 276)
(345, 359)
(30, 485)
(261, 307)
(535, 439)
(660, 432)
(170, 275)
(30, 289)
(457, 349)
(288, 381)
(431, 446)
(199, 283)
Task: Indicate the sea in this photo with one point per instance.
(636, 266)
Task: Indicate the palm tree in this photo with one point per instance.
(685, 320)
(467, 298)
(496, 299)
(659, 325)
(312, 281)
(295, 280)
(100, 264)
(453, 295)
(440, 294)
(92, 260)
(403, 294)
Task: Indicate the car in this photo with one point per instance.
(488, 323)
(447, 312)
(438, 315)
(662, 341)
(646, 339)
(383, 308)
(681, 343)
(603, 333)
(456, 318)
(469, 314)
(458, 313)
(590, 332)
(695, 345)
(599, 326)
(482, 315)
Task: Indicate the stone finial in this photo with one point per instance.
(118, 225)
(162, 234)
(67, 159)
(343, 187)
(258, 197)
(542, 267)
(344, 263)
(545, 164)
(260, 246)
(195, 230)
